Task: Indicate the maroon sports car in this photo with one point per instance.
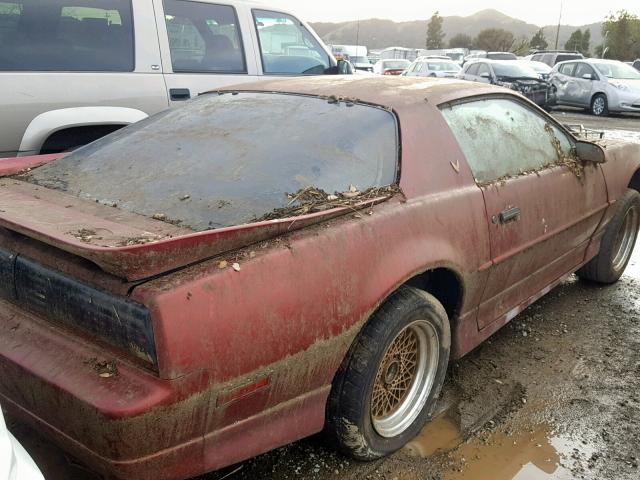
(295, 256)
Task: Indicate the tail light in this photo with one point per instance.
(61, 299)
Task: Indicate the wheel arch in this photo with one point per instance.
(50, 123)
(443, 281)
(635, 181)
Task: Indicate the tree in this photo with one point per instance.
(621, 33)
(575, 41)
(521, 47)
(435, 35)
(495, 40)
(586, 42)
(538, 41)
(461, 40)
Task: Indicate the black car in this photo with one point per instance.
(516, 75)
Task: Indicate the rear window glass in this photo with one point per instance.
(225, 160)
(66, 35)
(564, 57)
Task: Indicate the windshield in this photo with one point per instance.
(225, 160)
(513, 70)
(396, 64)
(443, 67)
(619, 71)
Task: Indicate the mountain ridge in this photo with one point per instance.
(378, 33)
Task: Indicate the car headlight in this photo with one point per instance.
(620, 86)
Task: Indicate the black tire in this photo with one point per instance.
(608, 266)
(599, 109)
(350, 422)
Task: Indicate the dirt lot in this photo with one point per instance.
(554, 395)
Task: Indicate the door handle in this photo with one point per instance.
(511, 214)
(179, 94)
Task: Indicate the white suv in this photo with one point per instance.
(72, 71)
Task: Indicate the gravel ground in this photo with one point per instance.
(553, 395)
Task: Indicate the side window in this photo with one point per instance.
(483, 69)
(66, 35)
(567, 69)
(203, 37)
(502, 138)
(287, 47)
(583, 69)
(473, 69)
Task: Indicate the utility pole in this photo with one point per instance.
(558, 30)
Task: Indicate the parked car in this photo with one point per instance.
(70, 74)
(391, 67)
(601, 86)
(516, 75)
(176, 315)
(553, 57)
(432, 67)
(15, 462)
(475, 55)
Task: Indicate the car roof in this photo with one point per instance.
(435, 59)
(390, 92)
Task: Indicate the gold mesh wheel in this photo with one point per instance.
(395, 375)
(404, 378)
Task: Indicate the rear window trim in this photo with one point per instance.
(134, 58)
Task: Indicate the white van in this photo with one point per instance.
(72, 71)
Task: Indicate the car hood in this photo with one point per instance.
(126, 244)
(633, 85)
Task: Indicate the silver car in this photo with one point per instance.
(601, 86)
(433, 67)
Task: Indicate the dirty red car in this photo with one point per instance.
(296, 256)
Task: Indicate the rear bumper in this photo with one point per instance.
(132, 425)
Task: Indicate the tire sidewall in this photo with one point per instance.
(358, 406)
(632, 198)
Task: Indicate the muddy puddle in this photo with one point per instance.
(534, 454)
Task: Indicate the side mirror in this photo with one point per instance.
(588, 76)
(345, 68)
(590, 152)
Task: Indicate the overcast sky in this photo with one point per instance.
(539, 12)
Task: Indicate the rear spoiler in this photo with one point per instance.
(13, 166)
(128, 245)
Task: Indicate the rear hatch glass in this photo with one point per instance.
(230, 159)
